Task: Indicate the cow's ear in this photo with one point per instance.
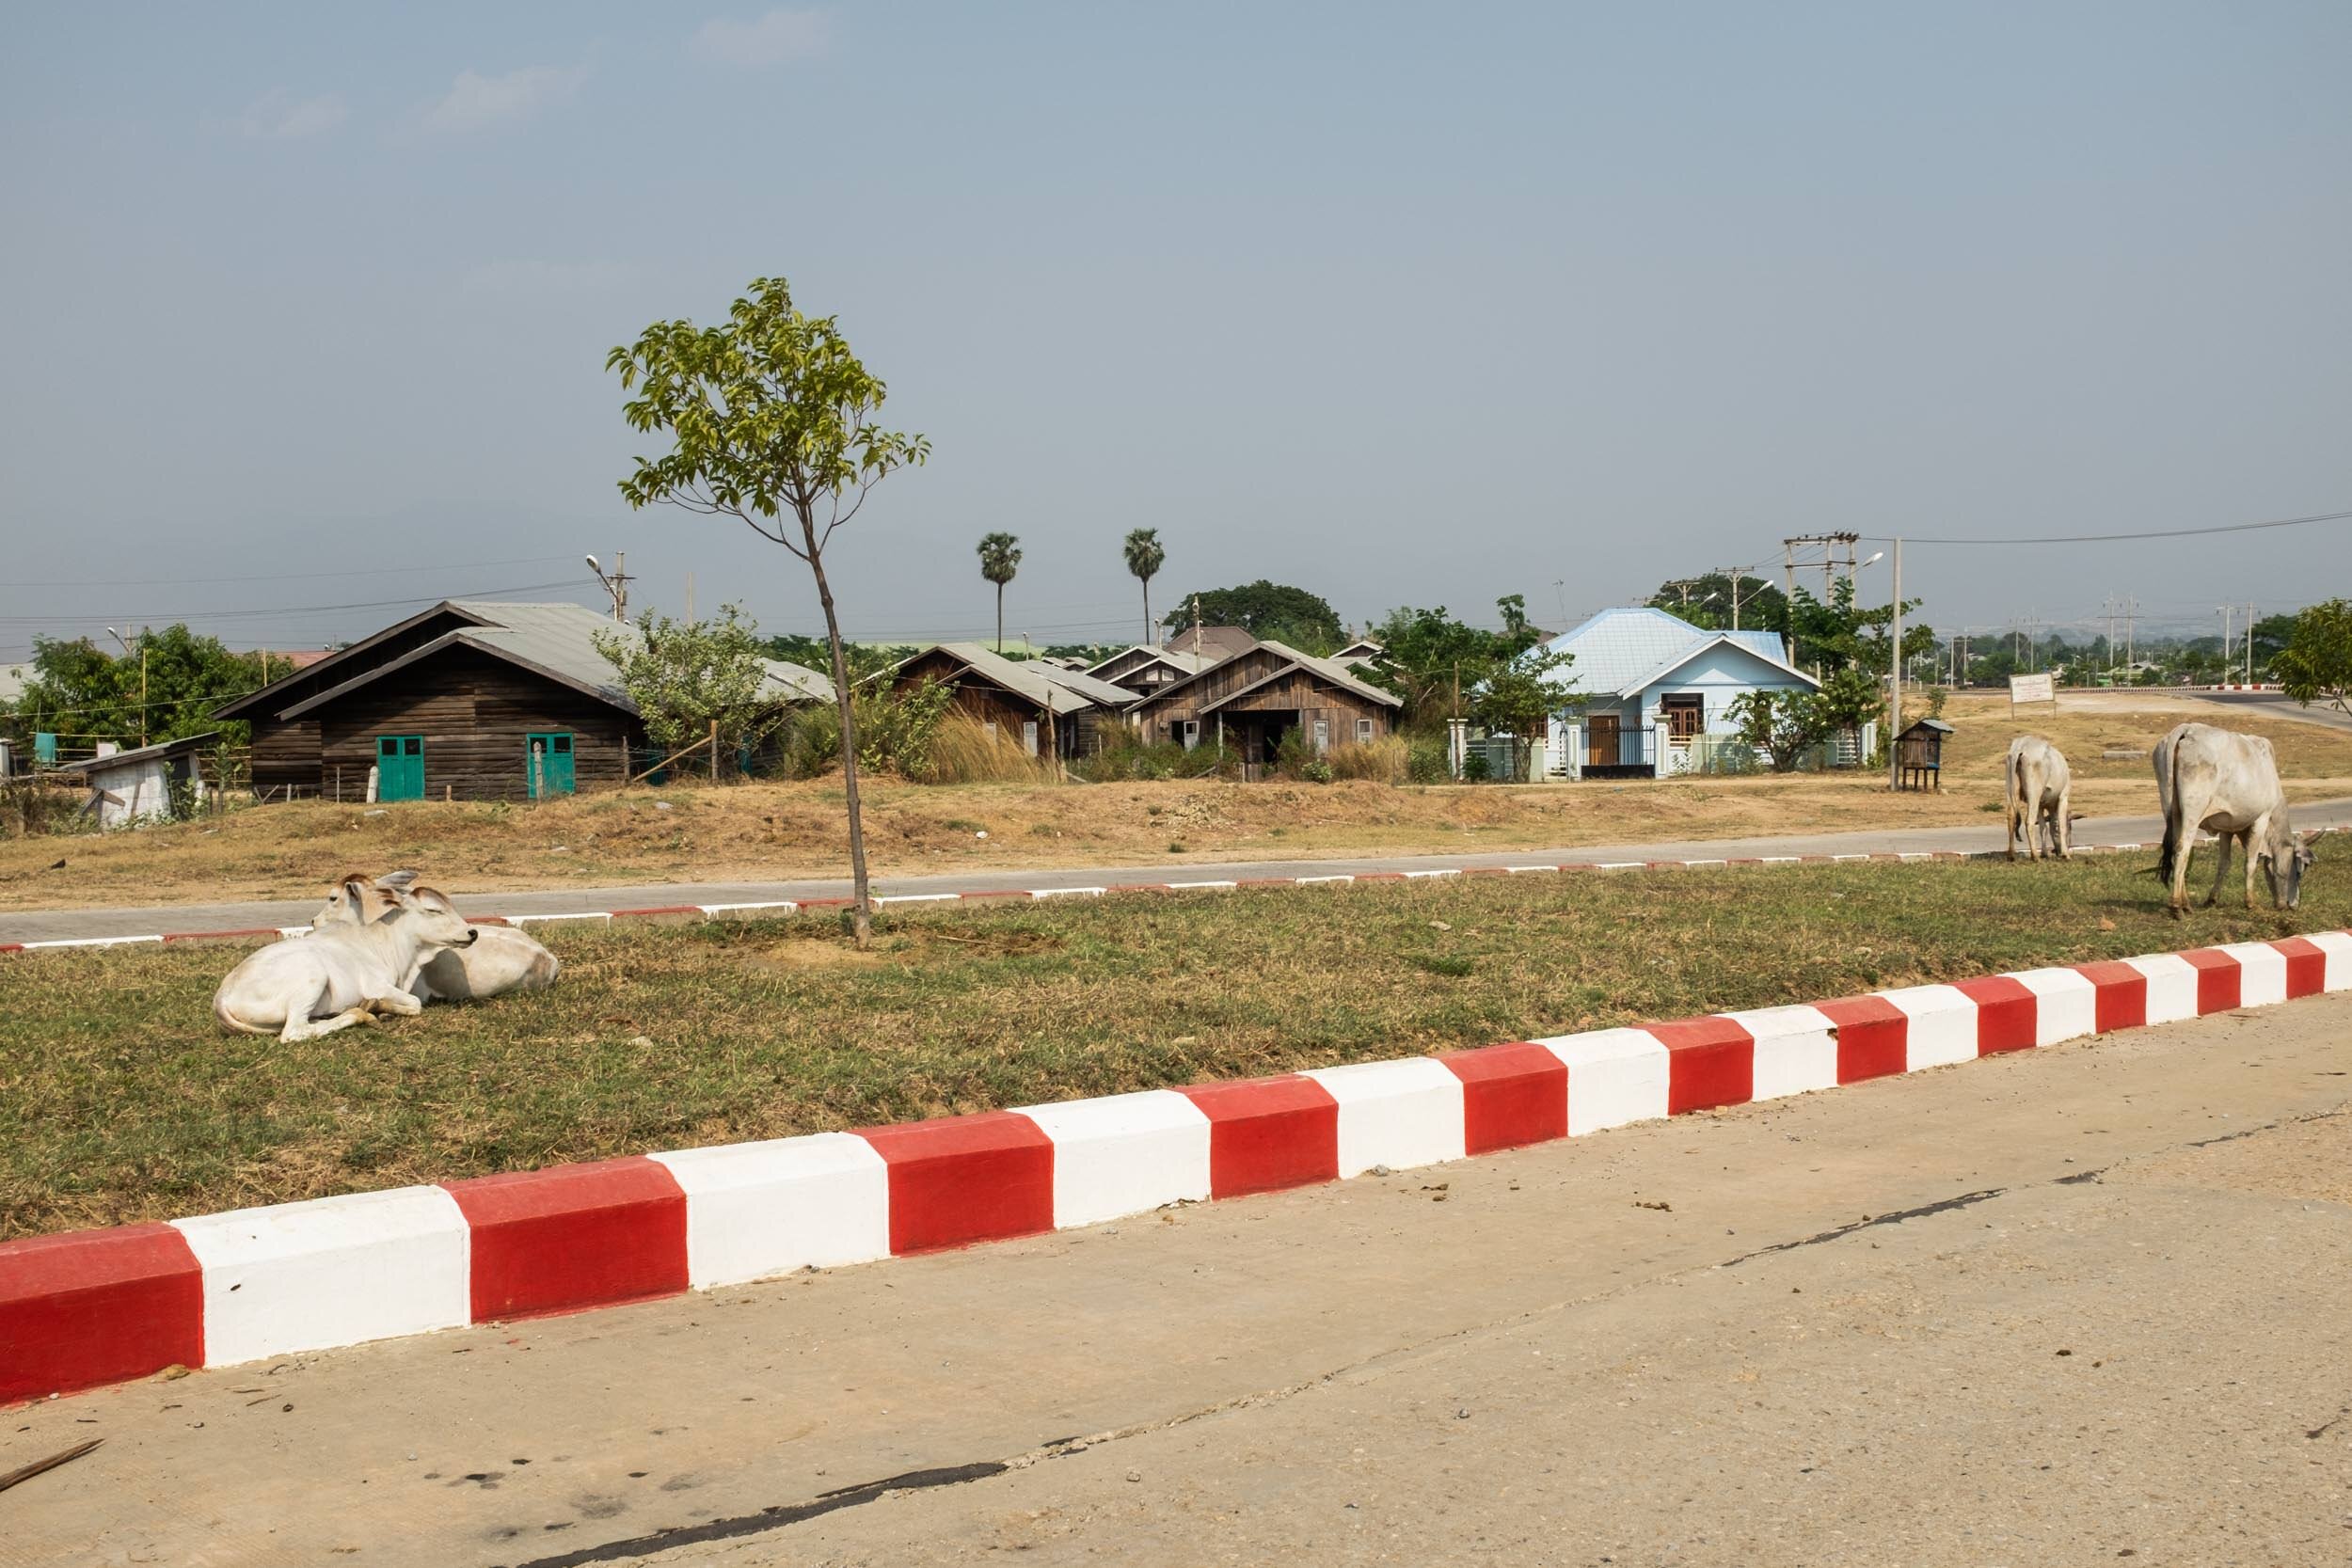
(434, 899)
(392, 881)
(353, 891)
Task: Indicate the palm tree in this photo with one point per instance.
(1000, 557)
(1145, 557)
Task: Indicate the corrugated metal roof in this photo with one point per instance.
(1063, 690)
(561, 639)
(1620, 651)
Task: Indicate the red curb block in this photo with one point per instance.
(270, 931)
(2218, 985)
(960, 1180)
(1510, 1095)
(1267, 1134)
(97, 1307)
(573, 1236)
(2120, 994)
(2306, 966)
(1710, 1062)
(1873, 1036)
(2007, 1013)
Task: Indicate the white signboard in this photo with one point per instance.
(2032, 688)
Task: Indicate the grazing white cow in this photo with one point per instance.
(2227, 783)
(501, 959)
(2037, 792)
(314, 985)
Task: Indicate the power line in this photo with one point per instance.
(298, 577)
(2152, 533)
(283, 609)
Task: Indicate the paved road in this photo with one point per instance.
(2072, 1305)
(2278, 704)
(36, 926)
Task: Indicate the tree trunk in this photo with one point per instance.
(862, 903)
(1000, 618)
(1147, 612)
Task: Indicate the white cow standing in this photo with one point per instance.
(501, 959)
(331, 979)
(2036, 797)
(2226, 783)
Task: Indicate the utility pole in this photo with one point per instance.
(2131, 616)
(2250, 644)
(126, 649)
(2223, 610)
(1895, 681)
(616, 583)
(1196, 625)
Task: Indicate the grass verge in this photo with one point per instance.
(120, 1100)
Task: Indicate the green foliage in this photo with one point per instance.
(82, 691)
(1518, 697)
(1837, 634)
(1788, 724)
(1000, 558)
(896, 731)
(1438, 665)
(2316, 663)
(1145, 557)
(773, 416)
(1125, 755)
(1270, 611)
(684, 674)
(1425, 762)
(1849, 699)
(1706, 601)
(815, 653)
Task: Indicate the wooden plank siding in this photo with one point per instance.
(476, 714)
(1078, 734)
(1253, 719)
(286, 756)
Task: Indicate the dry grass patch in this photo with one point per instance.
(120, 1101)
(782, 831)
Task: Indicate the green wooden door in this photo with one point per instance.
(399, 768)
(547, 763)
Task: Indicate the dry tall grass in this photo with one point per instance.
(964, 752)
(1383, 761)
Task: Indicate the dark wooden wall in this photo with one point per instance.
(1300, 690)
(286, 755)
(475, 713)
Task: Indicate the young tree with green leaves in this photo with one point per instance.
(2316, 663)
(93, 693)
(686, 675)
(1435, 662)
(1000, 558)
(1519, 695)
(1145, 557)
(773, 422)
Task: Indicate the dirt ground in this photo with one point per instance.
(2075, 1306)
(774, 831)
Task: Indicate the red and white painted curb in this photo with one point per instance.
(778, 908)
(97, 1306)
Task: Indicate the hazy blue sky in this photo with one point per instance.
(1405, 305)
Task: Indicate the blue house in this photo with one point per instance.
(1645, 676)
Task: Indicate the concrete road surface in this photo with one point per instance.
(38, 926)
(2278, 704)
(2087, 1304)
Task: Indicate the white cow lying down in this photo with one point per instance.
(314, 985)
(500, 960)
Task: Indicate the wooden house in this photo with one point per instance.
(1044, 708)
(470, 700)
(1143, 671)
(1250, 701)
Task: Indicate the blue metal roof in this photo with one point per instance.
(1619, 650)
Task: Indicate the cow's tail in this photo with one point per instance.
(231, 1021)
(2008, 800)
(2172, 824)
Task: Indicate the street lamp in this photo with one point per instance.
(615, 582)
(126, 652)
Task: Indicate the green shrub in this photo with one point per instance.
(1424, 762)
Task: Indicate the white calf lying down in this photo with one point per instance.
(314, 985)
(501, 960)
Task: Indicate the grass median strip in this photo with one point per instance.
(120, 1100)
